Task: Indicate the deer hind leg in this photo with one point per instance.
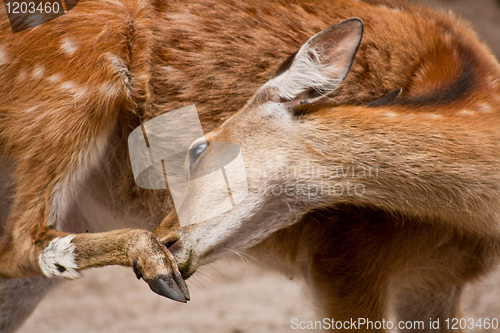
(347, 296)
(347, 276)
(364, 260)
(429, 310)
(18, 299)
(429, 287)
(429, 293)
(431, 290)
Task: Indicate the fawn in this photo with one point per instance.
(75, 87)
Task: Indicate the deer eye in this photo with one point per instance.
(196, 151)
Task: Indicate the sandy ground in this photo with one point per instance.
(227, 297)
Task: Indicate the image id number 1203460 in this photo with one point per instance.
(471, 323)
(23, 7)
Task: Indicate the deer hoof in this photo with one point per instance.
(170, 286)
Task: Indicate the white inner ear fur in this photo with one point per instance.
(306, 72)
(321, 64)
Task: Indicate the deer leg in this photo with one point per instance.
(57, 254)
(18, 299)
(169, 229)
(349, 298)
(32, 245)
(432, 305)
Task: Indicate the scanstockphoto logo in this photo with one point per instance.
(161, 151)
(26, 14)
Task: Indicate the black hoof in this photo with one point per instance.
(172, 287)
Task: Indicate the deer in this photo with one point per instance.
(406, 239)
(75, 87)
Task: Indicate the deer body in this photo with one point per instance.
(427, 224)
(74, 88)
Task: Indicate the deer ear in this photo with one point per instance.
(319, 66)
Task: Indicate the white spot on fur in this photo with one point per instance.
(34, 21)
(67, 190)
(395, 10)
(32, 109)
(3, 57)
(483, 108)
(55, 78)
(493, 82)
(432, 116)
(58, 258)
(67, 85)
(144, 76)
(38, 72)
(119, 66)
(109, 89)
(68, 46)
(80, 92)
(388, 115)
(466, 113)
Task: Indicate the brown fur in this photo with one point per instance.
(171, 54)
(364, 263)
(429, 224)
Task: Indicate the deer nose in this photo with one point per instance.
(179, 250)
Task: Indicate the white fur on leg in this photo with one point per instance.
(58, 258)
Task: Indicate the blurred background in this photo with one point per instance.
(484, 15)
(231, 296)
